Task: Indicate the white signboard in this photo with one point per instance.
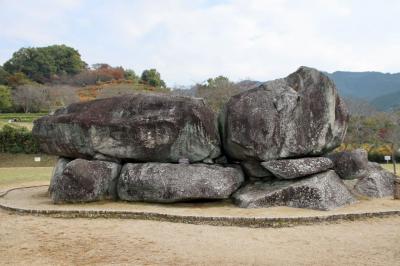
(37, 159)
(387, 158)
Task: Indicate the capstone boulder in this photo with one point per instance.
(301, 115)
(140, 127)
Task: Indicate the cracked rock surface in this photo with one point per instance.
(295, 168)
(300, 115)
(376, 182)
(323, 191)
(350, 164)
(141, 127)
(81, 180)
(163, 182)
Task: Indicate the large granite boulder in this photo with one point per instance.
(350, 164)
(323, 191)
(141, 127)
(84, 181)
(164, 182)
(376, 182)
(295, 168)
(57, 171)
(300, 115)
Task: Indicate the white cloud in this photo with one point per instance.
(189, 41)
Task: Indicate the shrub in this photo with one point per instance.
(17, 140)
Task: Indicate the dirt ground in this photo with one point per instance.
(30, 240)
(50, 241)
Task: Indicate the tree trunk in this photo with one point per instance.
(396, 192)
(394, 158)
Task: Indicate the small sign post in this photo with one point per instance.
(387, 158)
(37, 159)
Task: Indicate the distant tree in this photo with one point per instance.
(153, 78)
(34, 63)
(390, 133)
(129, 74)
(98, 66)
(5, 98)
(359, 107)
(18, 79)
(31, 98)
(41, 64)
(3, 76)
(216, 91)
(67, 59)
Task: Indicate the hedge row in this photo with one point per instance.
(17, 140)
(380, 158)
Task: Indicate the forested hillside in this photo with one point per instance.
(381, 90)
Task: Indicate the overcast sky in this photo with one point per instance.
(190, 41)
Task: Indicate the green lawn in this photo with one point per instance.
(26, 120)
(389, 167)
(26, 160)
(17, 175)
(29, 117)
(28, 125)
(21, 168)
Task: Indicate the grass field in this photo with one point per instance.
(29, 117)
(25, 120)
(28, 125)
(17, 175)
(21, 168)
(389, 167)
(26, 160)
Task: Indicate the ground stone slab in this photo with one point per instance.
(295, 168)
(350, 164)
(376, 183)
(323, 191)
(300, 115)
(163, 182)
(140, 127)
(84, 181)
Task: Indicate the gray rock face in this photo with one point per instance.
(254, 170)
(84, 181)
(57, 171)
(163, 182)
(350, 164)
(376, 183)
(295, 168)
(300, 115)
(141, 127)
(323, 191)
